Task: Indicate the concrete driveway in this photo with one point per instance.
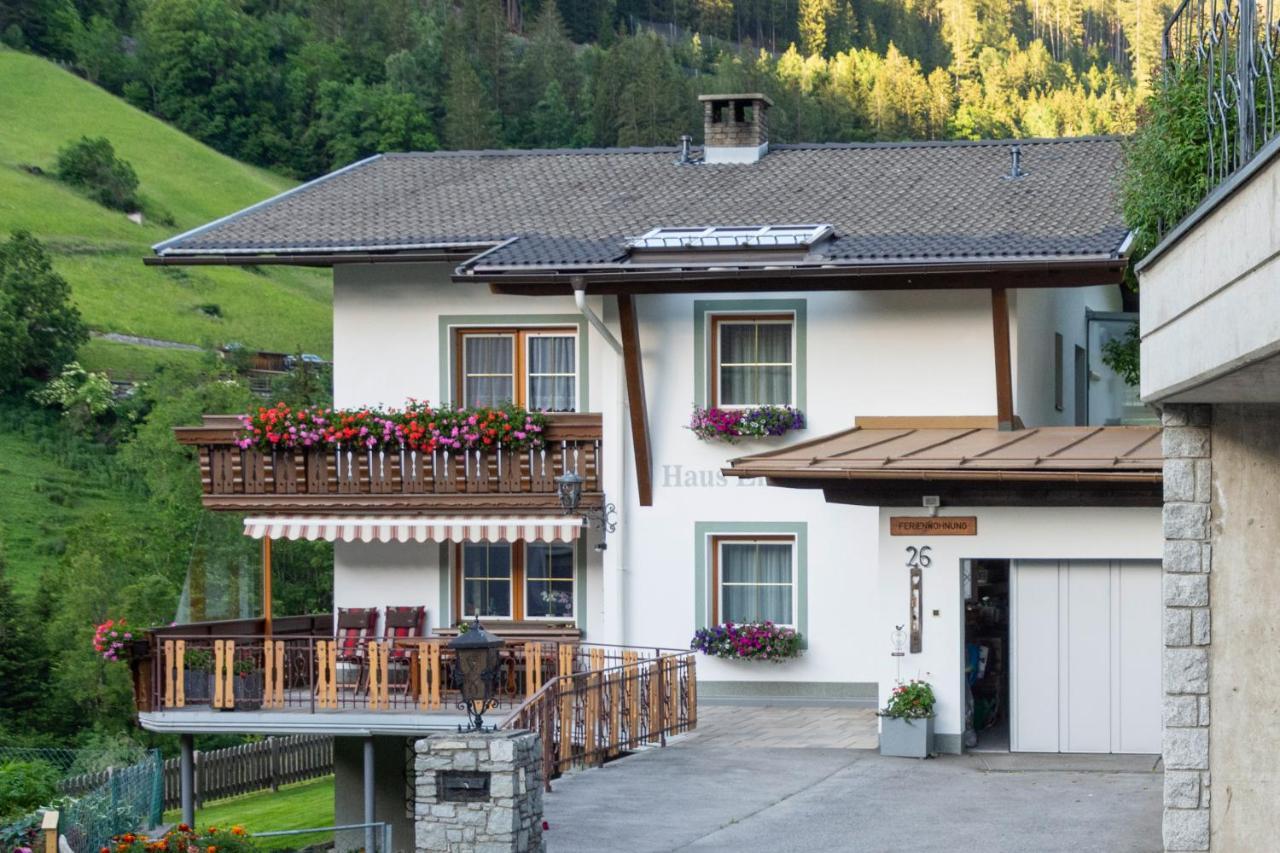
(707, 792)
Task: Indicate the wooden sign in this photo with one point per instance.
(933, 525)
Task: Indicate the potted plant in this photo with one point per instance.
(248, 684)
(906, 721)
(197, 675)
(715, 424)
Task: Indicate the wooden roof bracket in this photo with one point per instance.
(633, 368)
(1003, 358)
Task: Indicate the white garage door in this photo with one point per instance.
(1085, 656)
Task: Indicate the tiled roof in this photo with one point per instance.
(891, 202)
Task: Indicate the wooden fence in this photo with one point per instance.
(251, 767)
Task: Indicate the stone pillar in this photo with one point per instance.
(508, 819)
(1187, 560)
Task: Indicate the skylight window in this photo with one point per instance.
(732, 237)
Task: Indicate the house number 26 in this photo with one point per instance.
(918, 558)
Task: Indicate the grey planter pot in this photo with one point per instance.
(198, 686)
(906, 737)
(248, 689)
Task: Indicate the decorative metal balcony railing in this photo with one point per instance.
(1233, 46)
(351, 479)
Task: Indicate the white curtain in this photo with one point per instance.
(552, 373)
(755, 361)
(756, 582)
(486, 580)
(488, 364)
(548, 580)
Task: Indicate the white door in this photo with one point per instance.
(1085, 656)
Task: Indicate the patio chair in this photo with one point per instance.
(402, 622)
(355, 626)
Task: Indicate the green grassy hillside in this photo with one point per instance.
(99, 251)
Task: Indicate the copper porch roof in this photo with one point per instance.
(1054, 454)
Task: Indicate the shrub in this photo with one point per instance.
(913, 700)
(25, 786)
(91, 166)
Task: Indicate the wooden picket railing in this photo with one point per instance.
(311, 673)
(350, 478)
(589, 716)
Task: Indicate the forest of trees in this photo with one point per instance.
(304, 86)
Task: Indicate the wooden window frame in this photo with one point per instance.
(520, 354)
(460, 580)
(713, 353)
(519, 562)
(719, 539)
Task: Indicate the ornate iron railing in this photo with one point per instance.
(605, 709)
(1233, 46)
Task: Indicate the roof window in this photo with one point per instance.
(732, 237)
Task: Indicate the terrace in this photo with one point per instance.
(591, 702)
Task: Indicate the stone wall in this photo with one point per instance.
(510, 819)
(1188, 556)
(724, 130)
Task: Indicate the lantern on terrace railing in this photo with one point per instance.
(479, 656)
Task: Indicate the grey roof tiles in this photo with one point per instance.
(889, 202)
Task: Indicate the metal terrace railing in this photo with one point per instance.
(606, 709)
(1232, 45)
(251, 672)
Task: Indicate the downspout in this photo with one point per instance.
(617, 555)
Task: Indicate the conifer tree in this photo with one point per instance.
(471, 121)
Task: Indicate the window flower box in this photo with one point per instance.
(728, 425)
(750, 641)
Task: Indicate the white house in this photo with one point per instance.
(934, 294)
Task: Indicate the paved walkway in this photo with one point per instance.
(791, 727)
(720, 790)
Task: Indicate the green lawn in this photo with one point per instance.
(99, 251)
(299, 806)
(41, 502)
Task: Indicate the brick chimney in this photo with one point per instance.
(735, 127)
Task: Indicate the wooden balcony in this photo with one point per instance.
(372, 481)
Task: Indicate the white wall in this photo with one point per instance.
(890, 353)
(1037, 314)
(1210, 304)
(1109, 533)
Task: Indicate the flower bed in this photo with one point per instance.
(750, 641)
(416, 427)
(714, 424)
(184, 839)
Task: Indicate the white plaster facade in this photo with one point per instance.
(899, 353)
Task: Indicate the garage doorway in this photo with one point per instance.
(1084, 664)
(986, 655)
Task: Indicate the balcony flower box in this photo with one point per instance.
(906, 721)
(730, 425)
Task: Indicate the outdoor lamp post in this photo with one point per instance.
(478, 654)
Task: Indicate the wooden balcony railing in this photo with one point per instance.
(321, 479)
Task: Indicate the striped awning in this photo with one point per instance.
(552, 528)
